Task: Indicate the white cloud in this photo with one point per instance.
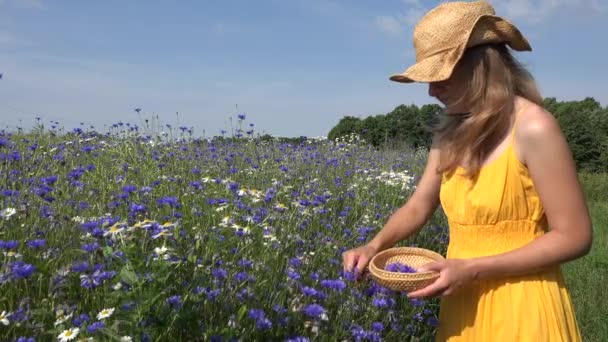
(394, 25)
(388, 24)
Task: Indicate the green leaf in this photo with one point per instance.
(242, 312)
(107, 251)
(128, 276)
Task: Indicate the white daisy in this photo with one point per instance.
(162, 232)
(115, 229)
(7, 212)
(4, 317)
(68, 335)
(126, 339)
(61, 318)
(160, 250)
(105, 313)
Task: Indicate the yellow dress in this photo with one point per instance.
(498, 212)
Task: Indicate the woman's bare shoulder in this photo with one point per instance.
(536, 128)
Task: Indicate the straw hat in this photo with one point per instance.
(445, 32)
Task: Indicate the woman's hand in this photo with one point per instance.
(356, 259)
(453, 274)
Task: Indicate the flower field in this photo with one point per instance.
(122, 236)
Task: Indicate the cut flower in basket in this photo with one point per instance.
(400, 268)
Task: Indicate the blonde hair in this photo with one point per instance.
(493, 78)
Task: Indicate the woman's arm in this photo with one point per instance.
(410, 218)
(546, 153)
(404, 222)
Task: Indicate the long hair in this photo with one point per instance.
(492, 77)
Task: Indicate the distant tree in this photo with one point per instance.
(584, 123)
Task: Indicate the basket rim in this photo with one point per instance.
(384, 275)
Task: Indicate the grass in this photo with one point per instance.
(587, 277)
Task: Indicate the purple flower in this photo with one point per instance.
(297, 339)
(94, 327)
(309, 291)
(256, 314)
(22, 270)
(337, 284)
(295, 262)
(219, 273)
(129, 188)
(175, 301)
(380, 302)
(377, 326)
(314, 310)
(170, 201)
(11, 244)
(241, 116)
(79, 320)
(39, 243)
(22, 338)
(241, 277)
(263, 324)
(432, 321)
(90, 247)
(293, 275)
(400, 267)
(80, 267)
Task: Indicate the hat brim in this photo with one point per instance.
(434, 68)
(439, 67)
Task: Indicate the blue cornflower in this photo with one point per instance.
(400, 267)
(49, 180)
(129, 188)
(309, 291)
(137, 208)
(380, 302)
(245, 263)
(90, 247)
(377, 326)
(314, 311)
(263, 324)
(279, 309)
(293, 275)
(295, 262)
(241, 116)
(432, 321)
(25, 339)
(39, 243)
(170, 201)
(80, 267)
(81, 319)
(337, 284)
(256, 314)
(240, 277)
(219, 273)
(297, 339)
(22, 270)
(11, 244)
(94, 327)
(175, 301)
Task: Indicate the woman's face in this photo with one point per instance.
(449, 92)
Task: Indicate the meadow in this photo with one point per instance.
(124, 236)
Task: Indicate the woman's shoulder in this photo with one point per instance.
(536, 128)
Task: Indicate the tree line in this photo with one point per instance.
(584, 123)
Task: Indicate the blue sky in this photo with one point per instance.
(294, 67)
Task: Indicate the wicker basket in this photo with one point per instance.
(411, 256)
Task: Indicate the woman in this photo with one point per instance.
(504, 175)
